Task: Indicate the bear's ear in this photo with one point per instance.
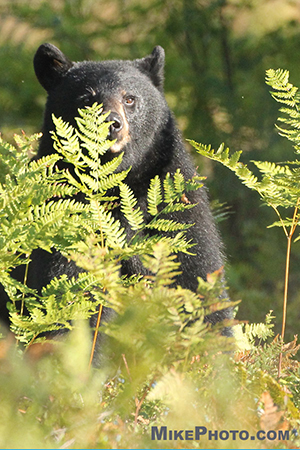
(50, 64)
(153, 66)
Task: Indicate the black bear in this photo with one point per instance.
(145, 130)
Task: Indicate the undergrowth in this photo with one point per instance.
(161, 366)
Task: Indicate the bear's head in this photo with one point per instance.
(131, 90)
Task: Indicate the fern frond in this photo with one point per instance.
(111, 181)
(62, 301)
(65, 140)
(179, 183)
(287, 222)
(285, 92)
(272, 169)
(144, 245)
(194, 183)
(44, 165)
(277, 78)
(170, 194)
(128, 202)
(176, 207)
(230, 161)
(93, 130)
(293, 113)
(162, 264)
(89, 182)
(154, 196)
(12, 162)
(167, 225)
(110, 167)
(111, 229)
(83, 148)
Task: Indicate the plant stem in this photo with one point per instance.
(285, 297)
(25, 284)
(126, 365)
(286, 278)
(139, 403)
(96, 335)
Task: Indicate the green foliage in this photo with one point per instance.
(247, 334)
(161, 364)
(52, 402)
(24, 191)
(278, 186)
(217, 96)
(287, 94)
(167, 375)
(30, 220)
(158, 328)
(259, 358)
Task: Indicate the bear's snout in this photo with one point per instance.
(116, 126)
(118, 130)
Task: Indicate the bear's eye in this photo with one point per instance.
(129, 101)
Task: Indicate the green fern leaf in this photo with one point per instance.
(169, 209)
(232, 162)
(169, 191)
(285, 92)
(167, 225)
(109, 228)
(179, 183)
(162, 264)
(128, 202)
(93, 130)
(154, 196)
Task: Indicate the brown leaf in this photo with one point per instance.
(184, 199)
(291, 347)
(271, 416)
(211, 277)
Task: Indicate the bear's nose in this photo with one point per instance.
(115, 126)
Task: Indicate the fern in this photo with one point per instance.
(162, 264)
(110, 228)
(231, 161)
(170, 194)
(179, 182)
(284, 92)
(98, 179)
(169, 197)
(167, 225)
(22, 202)
(154, 196)
(12, 162)
(60, 302)
(69, 210)
(92, 132)
(128, 203)
(287, 94)
(248, 334)
(278, 184)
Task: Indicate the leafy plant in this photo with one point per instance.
(279, 183)
(158, 329)
(162, 365)
(69, 210)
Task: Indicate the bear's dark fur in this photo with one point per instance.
(145, 130)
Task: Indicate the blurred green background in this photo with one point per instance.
(217, 52)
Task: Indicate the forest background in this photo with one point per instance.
(217, 52)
